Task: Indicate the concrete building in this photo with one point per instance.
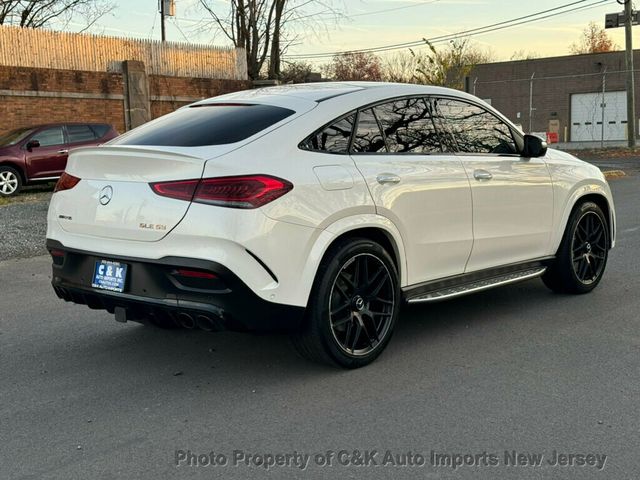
(562, 95)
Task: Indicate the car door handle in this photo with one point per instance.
(62, 152)
(482, 175)
(388, 178)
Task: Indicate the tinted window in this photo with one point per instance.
(100, 130)
(14, 137)
(334, 138)
(205, 125)
(50, 136)
(408, 126)
(368, 138)
(80, 133)
(474, 129)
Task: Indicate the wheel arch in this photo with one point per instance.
(376, 234)
(603, 203)
(15, 166)
(598, 196)
(371, 226)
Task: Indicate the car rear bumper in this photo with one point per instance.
(155, 288)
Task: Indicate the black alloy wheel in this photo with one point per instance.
(582, 257)
(353, 305)
(589, 248)
(362, 304)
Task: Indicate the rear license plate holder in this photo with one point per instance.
(109, 275)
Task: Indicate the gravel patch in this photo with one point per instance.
(23, 227)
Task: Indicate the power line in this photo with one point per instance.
(556, 77)
(476, 31)
(395, 9)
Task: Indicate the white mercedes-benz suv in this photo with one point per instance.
(320, 209)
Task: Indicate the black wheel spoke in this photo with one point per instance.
(342, 291)
(347, 280)
(378, 286)
(383, 301)
(342, 321)
(340, 308)
(348, 334)
(589, 248)
(362, 304)
(356, 337)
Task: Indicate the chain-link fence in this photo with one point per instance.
(568, 99)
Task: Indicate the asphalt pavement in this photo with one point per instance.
(491, 379)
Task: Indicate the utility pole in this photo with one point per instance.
(603, 105)
(531, 109)
(631, 97)
(162, 18)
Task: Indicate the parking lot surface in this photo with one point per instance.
(517, 369)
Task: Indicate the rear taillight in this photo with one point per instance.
(57, 256)
(250, 191)
(65, 182)
(181, 190)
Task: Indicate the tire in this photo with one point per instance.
(10, 181)
(582, 257)
(353, 306)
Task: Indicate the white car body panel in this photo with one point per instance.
(433, 190)
(512, 212)
(429, 216)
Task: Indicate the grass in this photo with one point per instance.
(36, 193)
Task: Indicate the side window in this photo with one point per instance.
(368, 138)
(50, 136)
(100, 130)
(475, 130)
(80, 133)
(408, 126)
(334, 138)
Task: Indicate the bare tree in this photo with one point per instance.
(593, 40)
(265, 28)
(524, 55)
(400, 67)
(296, 72)
(448, 67)
(356, 66)
(41, 13)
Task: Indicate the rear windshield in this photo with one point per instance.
(214, 124)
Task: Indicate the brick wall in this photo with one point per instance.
(31, 96)
(507, 85)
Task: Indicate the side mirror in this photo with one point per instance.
(534, 147)
(31, 144)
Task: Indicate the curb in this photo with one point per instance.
(614, 174)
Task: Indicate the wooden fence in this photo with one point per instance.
(25, 47)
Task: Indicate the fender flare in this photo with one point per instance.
(344, 226)
(580, 191)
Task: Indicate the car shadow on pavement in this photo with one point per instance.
(208, 357)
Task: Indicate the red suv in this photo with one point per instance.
(36, 154)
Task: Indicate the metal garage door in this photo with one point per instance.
(586, 116)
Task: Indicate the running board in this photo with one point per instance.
(477, 286)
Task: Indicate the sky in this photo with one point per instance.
(373, 23)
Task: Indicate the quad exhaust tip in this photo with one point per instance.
(186, 321)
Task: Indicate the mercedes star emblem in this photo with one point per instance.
(106, 194)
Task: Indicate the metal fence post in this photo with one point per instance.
(531, 109)
(603, 104)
